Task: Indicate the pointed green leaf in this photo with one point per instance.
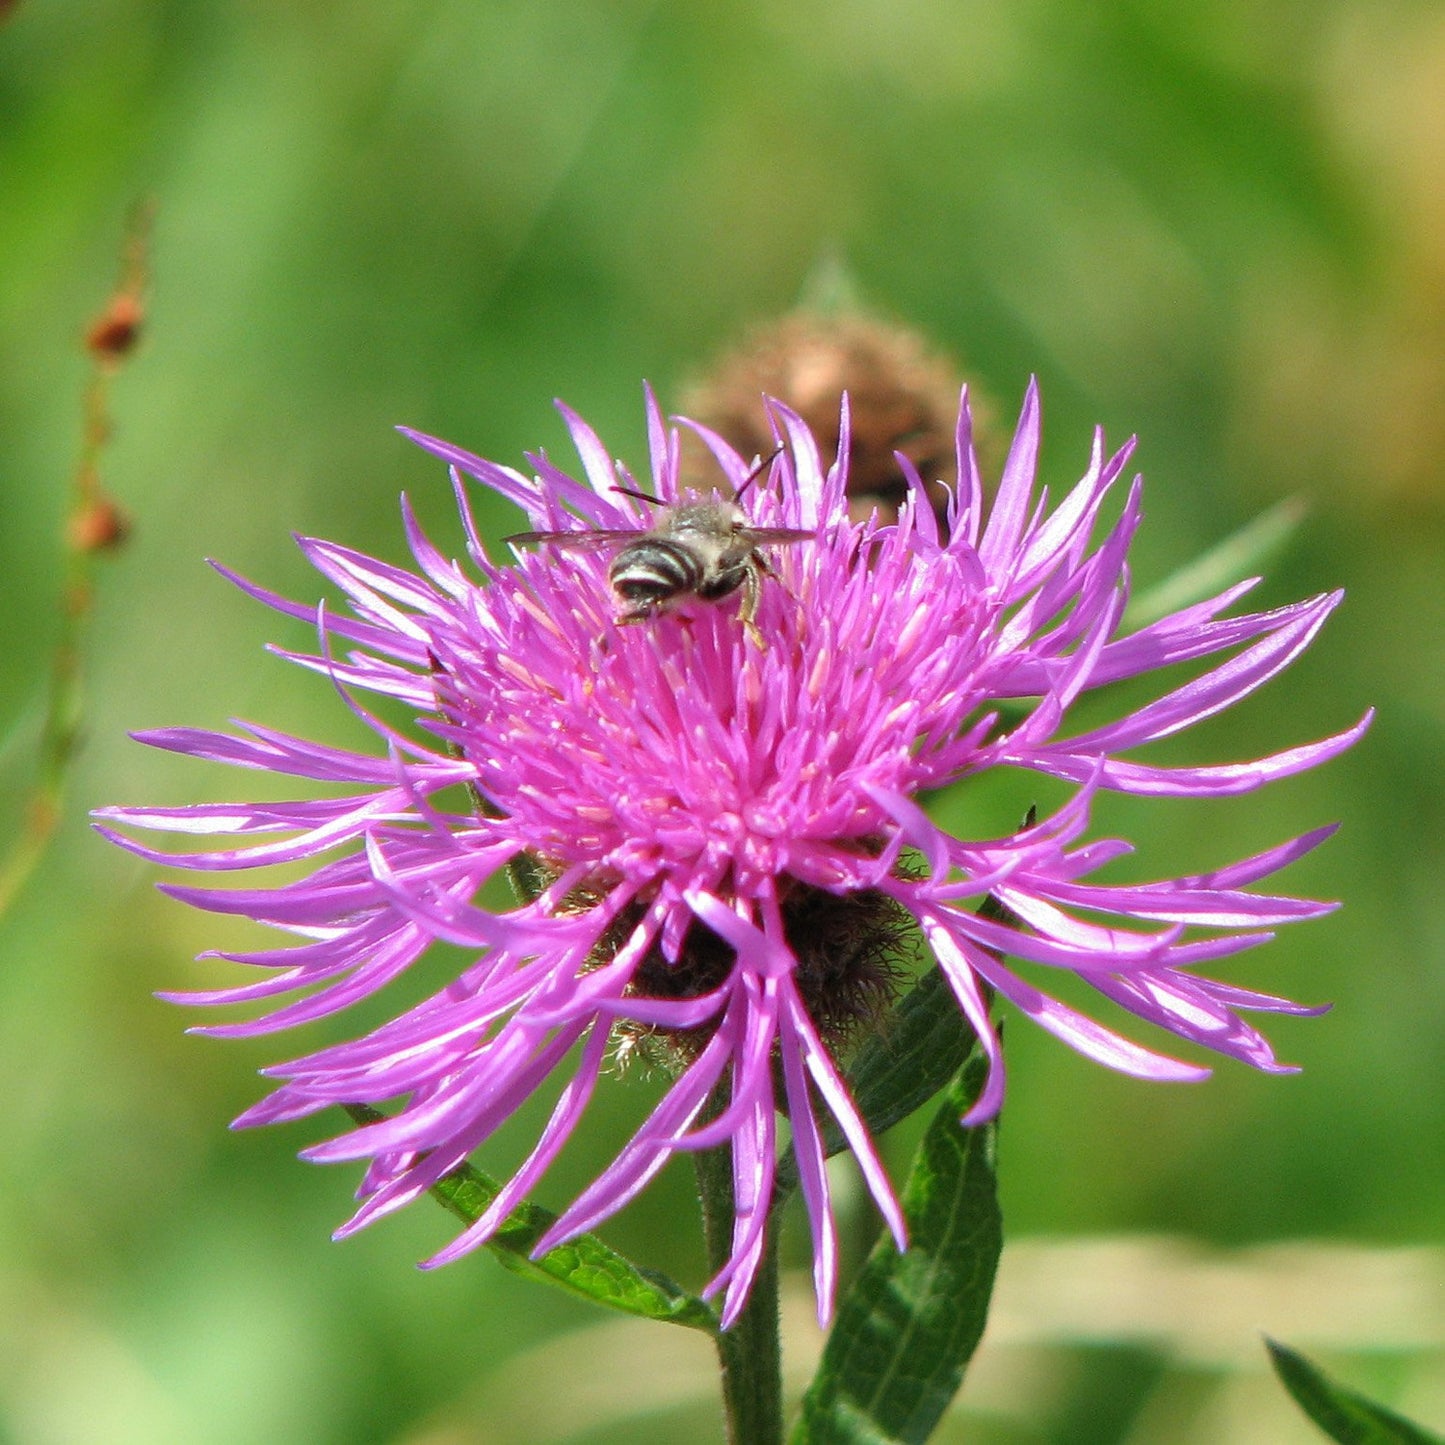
(902, 1068)
(830, 289)
(921, 1046)
(1232, 560)
(585, 1266)
(908, 1327)
(1343, 1414)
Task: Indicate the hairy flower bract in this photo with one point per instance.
(711, 812)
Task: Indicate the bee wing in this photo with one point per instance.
(575, 541)
(771, 536)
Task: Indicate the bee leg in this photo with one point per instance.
(752, 594)
(646, 612)
(768, 570)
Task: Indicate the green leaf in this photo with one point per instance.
(1231, 561)
(585, 1266)
(830, 288)
(908, 1327)
(1343, 1414)
(921, 1047)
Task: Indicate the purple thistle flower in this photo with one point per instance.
(698, 807)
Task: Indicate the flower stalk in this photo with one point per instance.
(95, 525)
(750, 1352)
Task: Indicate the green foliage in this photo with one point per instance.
(923, 1043)
(584, 1267)
(1343, 1414)
(1239, 555)
(908, 1327)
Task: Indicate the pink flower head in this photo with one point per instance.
(697, 799)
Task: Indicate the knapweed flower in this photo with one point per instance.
(716, 815)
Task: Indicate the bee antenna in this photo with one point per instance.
(758, 470)
(641, 496)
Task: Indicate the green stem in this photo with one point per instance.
(94, 523)
(750, 1353)
(60, 729)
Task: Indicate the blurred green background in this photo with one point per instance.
(1220, 226)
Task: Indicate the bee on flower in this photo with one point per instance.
(726, 839)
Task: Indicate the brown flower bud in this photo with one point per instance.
(114, 333)
(99, 526)
(902, 397)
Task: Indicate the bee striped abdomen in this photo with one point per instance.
(654, 570)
